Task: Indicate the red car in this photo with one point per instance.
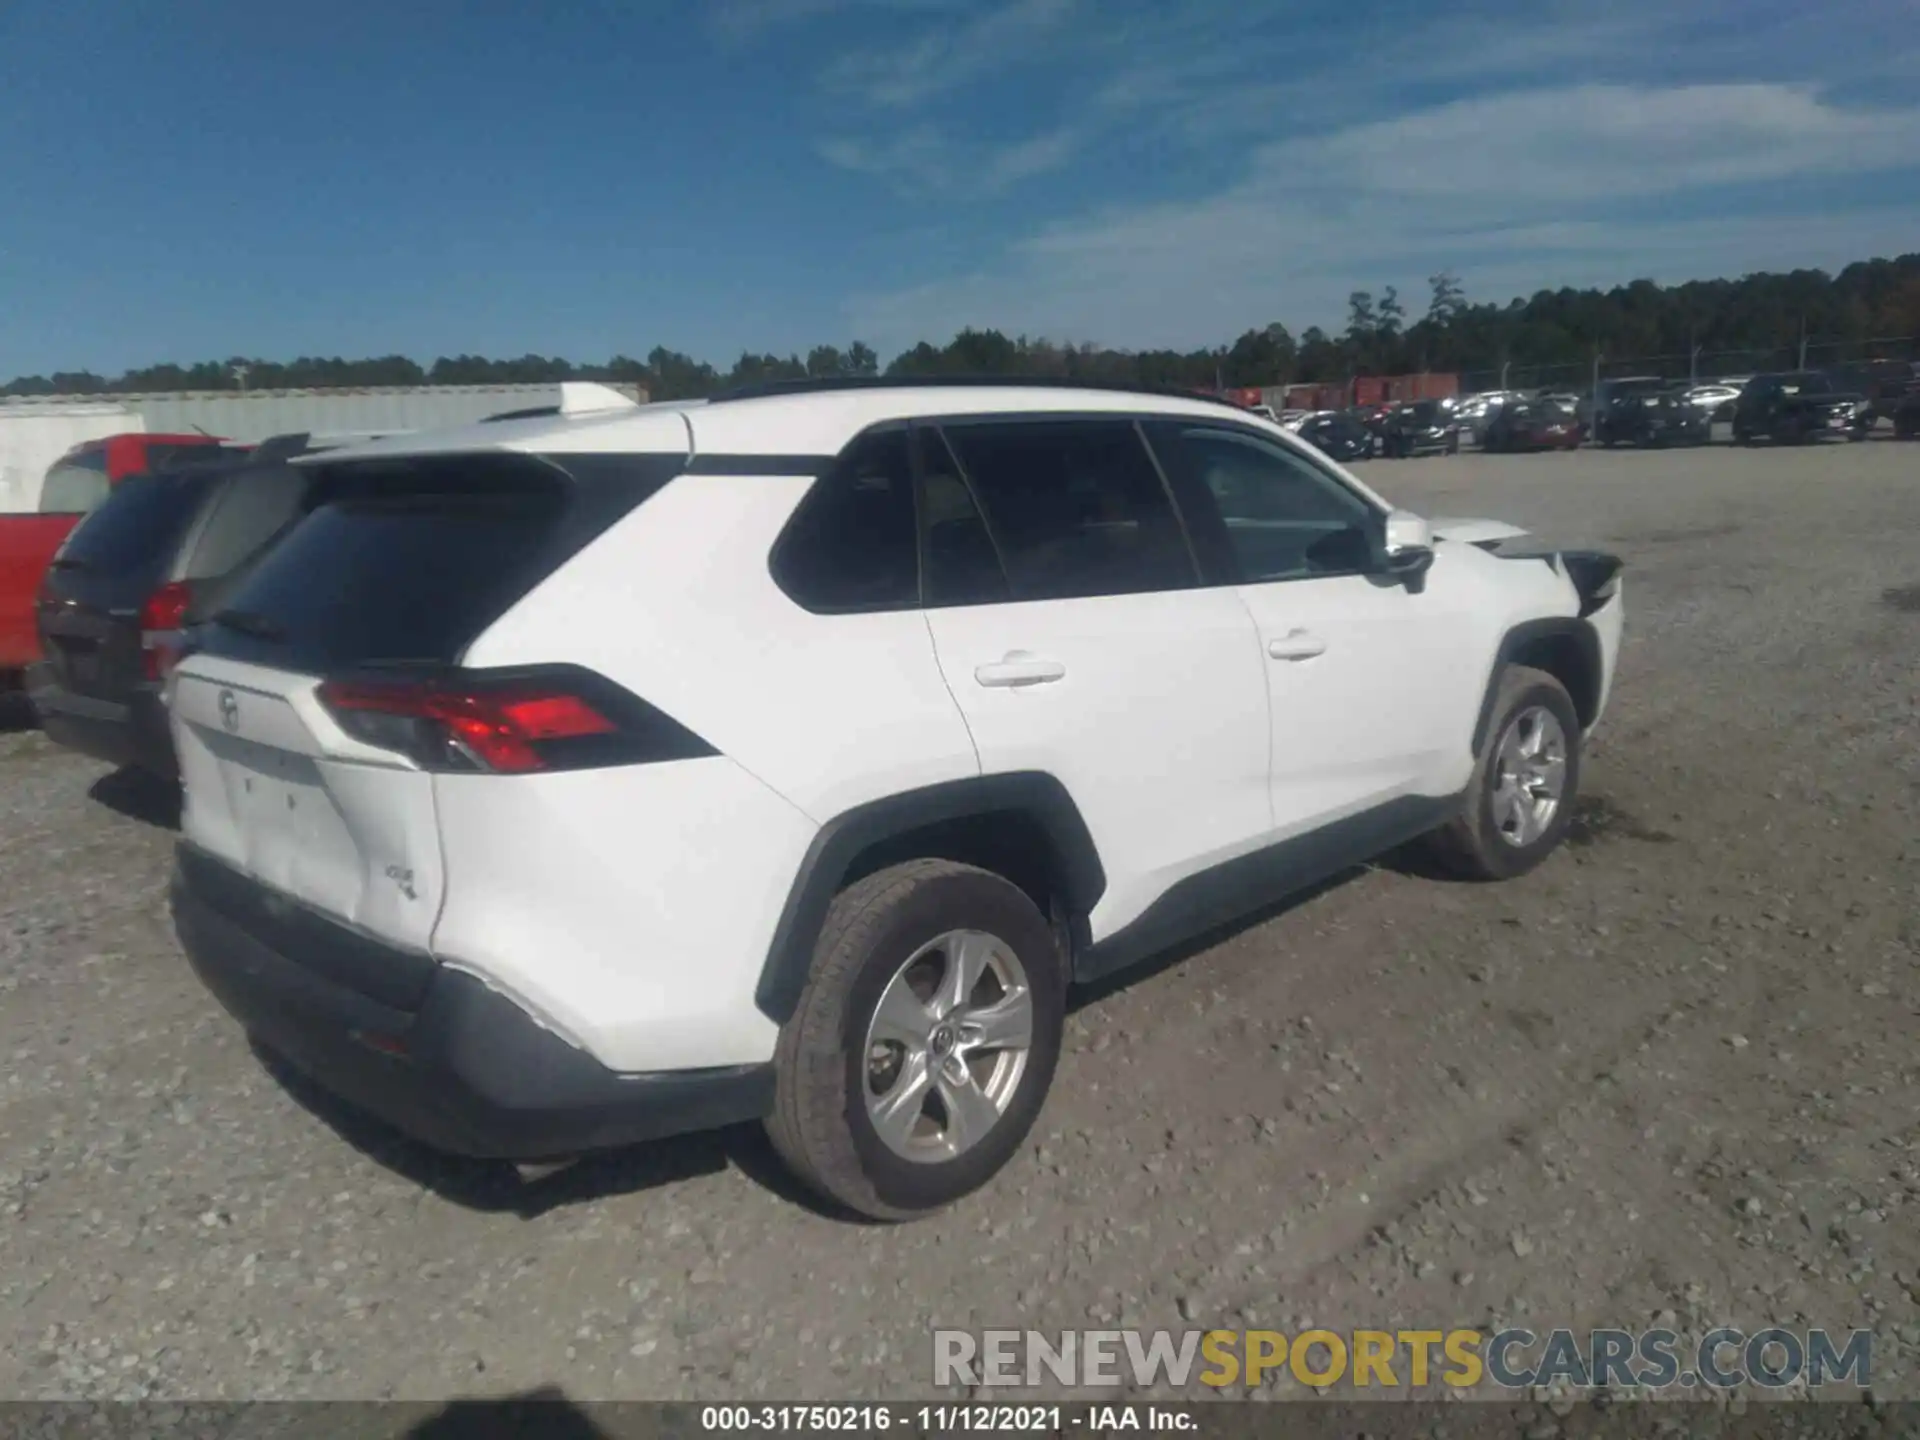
(76, 483)
(1533, 425)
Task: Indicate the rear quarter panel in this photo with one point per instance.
(27, 544)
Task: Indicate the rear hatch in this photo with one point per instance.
(291, 775)
(103, 576)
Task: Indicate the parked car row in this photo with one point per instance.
(76, 484)
(154, 558)
(1793, 407)
(608, 773)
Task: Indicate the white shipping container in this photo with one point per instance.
(34, 435)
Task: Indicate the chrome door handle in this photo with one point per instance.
(1296, 645)
(1019, 669)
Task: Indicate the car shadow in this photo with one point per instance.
(17, 714)
(545, 1413)
(139, 796)
(498, 1186)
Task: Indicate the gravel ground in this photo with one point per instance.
(1670, 1077)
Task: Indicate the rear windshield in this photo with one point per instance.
(407, 562)
(136, 532)
(76, 484)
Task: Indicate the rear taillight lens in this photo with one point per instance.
(507, 726)
(160, 637)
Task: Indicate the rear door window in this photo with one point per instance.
(76, 484)
(1076, 507)
(962, 565)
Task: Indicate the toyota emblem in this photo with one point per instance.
(229, 710)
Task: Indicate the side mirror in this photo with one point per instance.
(1408, 543)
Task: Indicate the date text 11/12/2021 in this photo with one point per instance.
(944, 1419)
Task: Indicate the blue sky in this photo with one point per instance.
(202, 178)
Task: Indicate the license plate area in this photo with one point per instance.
(77, 661)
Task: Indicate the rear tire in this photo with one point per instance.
(855, 1040)
(1503, 829)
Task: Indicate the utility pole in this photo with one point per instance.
(1803, 343)
(1504, 364)
(1693, 358)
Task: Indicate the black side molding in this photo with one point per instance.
(1576, 634)
(1030, 794)
(1217, 898)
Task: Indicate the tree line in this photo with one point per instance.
(1761, 314)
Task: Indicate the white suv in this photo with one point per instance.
(584, 778)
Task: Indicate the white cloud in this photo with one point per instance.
(1617, 140)
(1513, 191)
(922, 160)
(950, 56)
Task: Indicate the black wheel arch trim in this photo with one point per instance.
(1576, 629)
(1031, 794)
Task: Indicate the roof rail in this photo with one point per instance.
(827, 384)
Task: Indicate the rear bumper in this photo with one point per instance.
(433, 1052)
(133, 731)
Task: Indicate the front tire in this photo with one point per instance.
(924, 1042)
(1525, 781)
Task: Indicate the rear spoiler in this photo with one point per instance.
(577, 397)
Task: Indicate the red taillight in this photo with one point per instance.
(501, 728)
(160, 621)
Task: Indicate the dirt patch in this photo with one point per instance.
(1596, 818)
(1904, 598)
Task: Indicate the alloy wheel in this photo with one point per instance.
(947, 1046)
(1529, 775)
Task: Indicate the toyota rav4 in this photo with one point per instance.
(588, 777)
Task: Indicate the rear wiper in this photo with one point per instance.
(248, 622)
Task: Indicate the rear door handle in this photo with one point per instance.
(1020, 668)
(1296, 645)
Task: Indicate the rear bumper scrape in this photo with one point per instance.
(464, 1070)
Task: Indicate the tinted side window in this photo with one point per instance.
(252, 508)
(1284, 518)
(852, 545)
(1076, 506)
